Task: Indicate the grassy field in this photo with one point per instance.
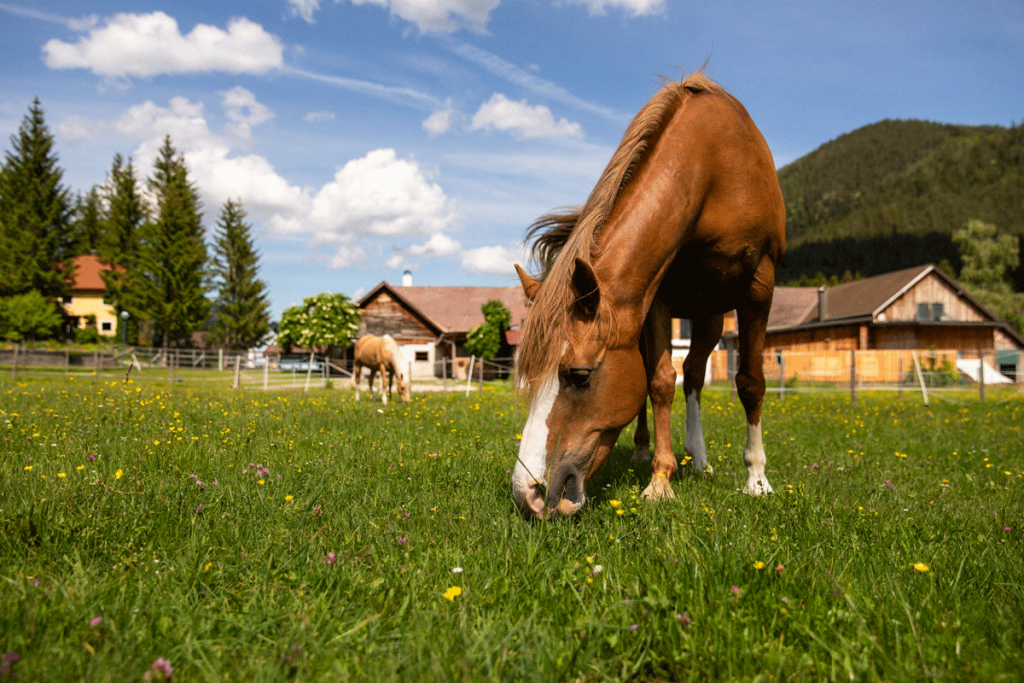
(250, 536)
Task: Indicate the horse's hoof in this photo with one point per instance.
(641, 454)
(757, 487)
(658, 488)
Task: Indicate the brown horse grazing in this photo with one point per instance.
(380, 354)
(686, 221)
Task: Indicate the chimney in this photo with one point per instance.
(822, 310)
(407, 278)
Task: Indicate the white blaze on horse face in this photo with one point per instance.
(695, 435)
(531, 466)
(754, 457)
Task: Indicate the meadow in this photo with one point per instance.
(222, 535)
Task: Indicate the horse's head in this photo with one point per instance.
(578, 409)
(403, 387)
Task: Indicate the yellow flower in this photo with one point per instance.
(452, 593)
(260, 482)
(921, 567)
(61, 475)
(118, 474)
(28, 468)
(287, 499)
(615, 503)
(80, 468)
(620, 512)
(759, 565)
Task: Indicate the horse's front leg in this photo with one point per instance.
(383, 394)
(661, 385)
(356, 372)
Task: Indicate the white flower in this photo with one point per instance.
(457, 570)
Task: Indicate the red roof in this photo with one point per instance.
(87, 271)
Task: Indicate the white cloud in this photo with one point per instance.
(439, 16)
(146, 45)
(244, 112)
(524, 121)
(378, 195)
(494, 260)
(381, 194)
(439, 245)
(347, 257)
(304, 8)
(440, 121)
(636, 8)
(317, 116)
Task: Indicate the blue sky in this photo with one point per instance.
(367, 137)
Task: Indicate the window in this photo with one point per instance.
(922, 312)
(67, 300)
(107, 326)
(937, 312)
(422, 356)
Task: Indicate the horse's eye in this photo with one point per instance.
(577, 377)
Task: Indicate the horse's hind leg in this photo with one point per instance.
(661, 385)
(705, 336)
(642, 438)
(752, 317)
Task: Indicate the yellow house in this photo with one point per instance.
(87, 296)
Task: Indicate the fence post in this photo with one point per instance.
(14, 368)
(481, 375)
(309, 370)
(899, 380)
(981, 374)
(444, 372)
(67, 358)
(238, 372)
(853, 377)
(782, 376)
(220, 359)
(266, 371)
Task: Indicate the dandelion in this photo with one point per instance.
(759, 565)
(921, 567)
(261, 482)
(28, 468)
(452, 593)
(61, 475)
(118, 474)
(287, 499)
(615, 503)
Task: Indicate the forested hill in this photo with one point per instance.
(889, 195)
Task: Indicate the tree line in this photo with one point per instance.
(149, 234)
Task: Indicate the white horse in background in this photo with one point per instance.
(380, 354)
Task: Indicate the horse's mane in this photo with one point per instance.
(560, 237)
(395, 353)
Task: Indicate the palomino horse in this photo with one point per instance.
(380, 354)
(686, 221)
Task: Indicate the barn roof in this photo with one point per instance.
(453, 309)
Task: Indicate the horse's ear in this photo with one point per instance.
(530, 285)
(584, 286)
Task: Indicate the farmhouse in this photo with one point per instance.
(87, 296)
(918, 308)
(430, 324)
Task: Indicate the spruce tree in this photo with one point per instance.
(120, 245)
(174, 261)
(242, 309)
(87, 225)
(36, 245)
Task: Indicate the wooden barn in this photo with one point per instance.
(919, 308)
(431, 323)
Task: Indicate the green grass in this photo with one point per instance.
(137, 504)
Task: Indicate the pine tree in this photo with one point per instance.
(242, 309)
(36, 245)
(173, 265)
(87, 226)
(120, 245)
